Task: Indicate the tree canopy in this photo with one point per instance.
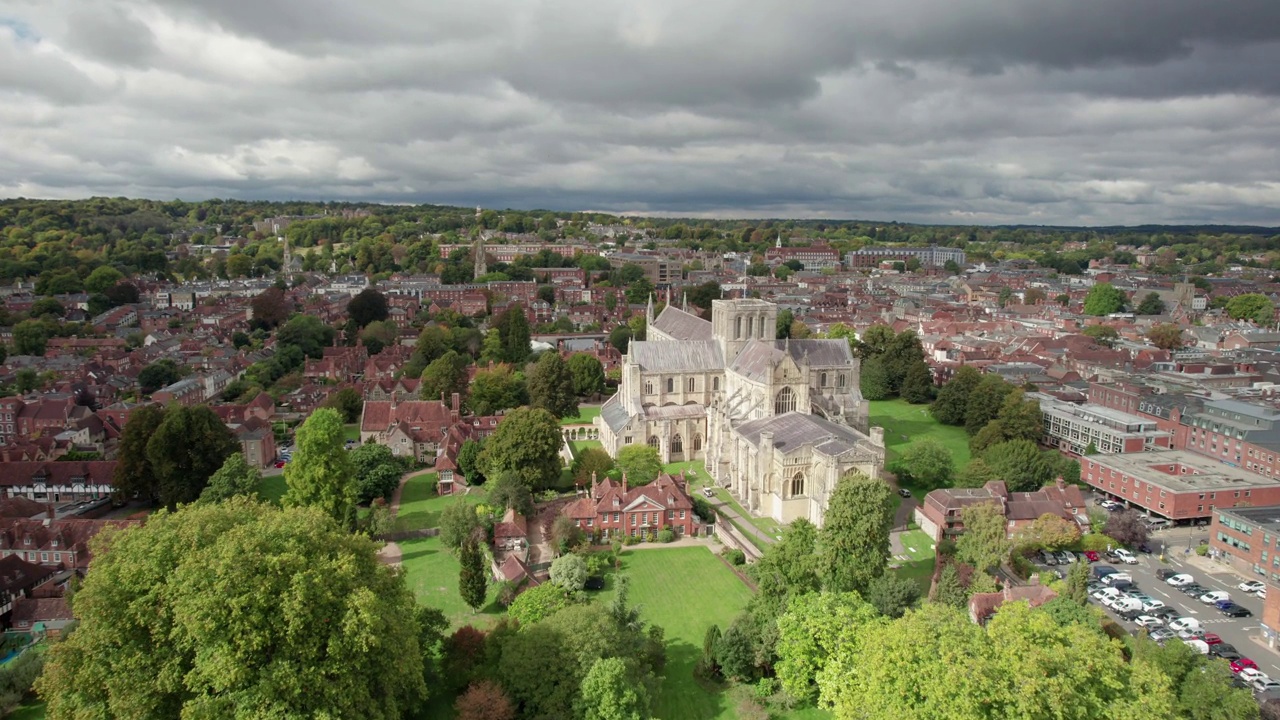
(853, 545)
(321, 474)
(1104, 299)
(526, 443)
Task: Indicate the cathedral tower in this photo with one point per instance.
(734, 323)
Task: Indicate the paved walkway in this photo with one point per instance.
(390, 553)
(742, 522)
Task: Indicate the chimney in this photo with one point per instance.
(594, 491)
(455, 409)
(624, 483)
(1060, 482)
(49, 509)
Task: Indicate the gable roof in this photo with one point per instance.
(690, 356)
(794, 429)
(682, 325)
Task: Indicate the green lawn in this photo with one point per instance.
(579, 445)
(585, 415)
(431, 572)
(686, 591)
(918, 546)
(272, 488)
(905, 423)
(420, 506)
(33, 711)
(351, 431)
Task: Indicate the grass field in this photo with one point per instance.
(580, 445)
(431, 572)
(351, 431)
(686, 591)
(585, 415)
(420, 506)
(272, 488)
(33, 711)
(905, 423)
(919, 548)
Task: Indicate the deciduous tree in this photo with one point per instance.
(30, 337)
(985, 402)
(235, 477)
(983, 544)
(270, 308)
(639, 463)
(1166, 336)
(188, 447)
(1252, 306)
(368, 306)
(550, 386)
(1050, 532)
(348, 402)
(609, 692)
(591, 461)
(917, 384)
(495, 389)
(527, 443)
(892, 595)
(1127, 528)
(1151, 305)
(949, 590)
(484, 700)
(952, 405)
(321, 474)
(469, 462)
(874, 380)
(161, 373)
(810, 632)
(134, 475)
(569, 572)
(1104, 335)
(1020, 464)
(927, 464)
(102, 279)
(1104, 299)
(587, 373)
(377, 471)
(445, 376)
(853, 545)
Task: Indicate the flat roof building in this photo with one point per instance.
(1177, 484)
(1073, 428)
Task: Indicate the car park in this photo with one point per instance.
(1251, 586)
(1249, 673)
(1101, 571)
(1236, 611)
(1130, 615)
(1126, 557)
(1220, 648)
(1214, 596)
(1151, 605)
(1048, 558)
(1261, 686)
(1122, 584)
(1065, 558)
(1107, 592)
(1116, 577)
(1212, 638)
(1228, 655)
(1148, 621)
(1179, 580)
(1167, 613)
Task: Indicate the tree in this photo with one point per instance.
(538, 603)
(736, 651)
(473, 578)
(551, 386)
(1166, 336)
(1104, 299)
(1251, 306)
(983, 544)
(1020, 464)
(892, 595)
(378, 335)
(874, 342)
(159, 374)
(368, 306)
(783, 326)
(510, 490)
(458, 523)
(1104, 335)
(513, 329)
(952, 404)
(186, 449)
(985, 402)
(27, 379)
(1050, 532)
(875, 383)
(226, 586)
(484, 700)
(609, 692)
(495, 389)
(810, 633)
(443, 377)
(1151, 305)
(917, 384)
(564, 534)
(902, 354)
(927, 464)
(269, 309)
(1078, 583)
(307, 333)
(1127, 528)
(591, 462)
(469, 462)
(1063, 299)
(640, 464)
(349, 403)
(620, 338)
(48, 306)
(235, 477)
(122, 293)
(1005, 295)
(853, 545)
(948, 590)
(587, 373)
(527, 443)
(134, 475)
(377, 472)
(569, 572)
(30, 337)
(321, 474)
(1020, 418)
(102, 279)
(1034, 296)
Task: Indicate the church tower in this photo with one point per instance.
(734, 323)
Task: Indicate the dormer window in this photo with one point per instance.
(26, 540)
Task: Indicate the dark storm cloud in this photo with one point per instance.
(1036, 111)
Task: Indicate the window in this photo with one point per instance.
(797, 485)
(44, 557)
(681, 514)
(690, 385)
(677, 444)
(653, 441)
(715, 383)
(737, 328)
(823, 380)
(840, 380)
(784, 401)
(628, 440)
(648, 388)
(697, 443)
(617, 517)
(57, 557)
(633, 519)
(671, 384)
(750, 327)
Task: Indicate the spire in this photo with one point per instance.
(648, 312)
(778, 244)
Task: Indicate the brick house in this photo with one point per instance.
(614, 509)
(941, 515)
(415, 428)
(58, 481)
(59, 543)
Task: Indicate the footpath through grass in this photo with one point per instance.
(420, 506)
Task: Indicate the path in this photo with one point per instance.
(390, 552)
(682, 542)
(741, 522)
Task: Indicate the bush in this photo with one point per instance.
(734, 556)
(666, 536)
(1022, 567)
(1097, 542)
(507, 593)
(1202, 550)
(947, 548)
(630, 540)
(703, 509)
(766, 688)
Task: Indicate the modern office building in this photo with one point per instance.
(931, 256)
(1073, 428)
(1177, 484)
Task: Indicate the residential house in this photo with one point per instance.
(614, 509)
(941, 515)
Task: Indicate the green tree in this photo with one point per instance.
(378, 335)
(1020, 418)
(458, 523)
(513, 329)
(469, 462)
(952, 405)
(368, 306)
(510, 490)
(609, 692)
(892, 595)
(1050, 532)
(551, 386)
(926, 464)
(1104, 299)
(1063, 299)
(538, 603)
(853, 545)
(473, 578)
(569, 572)
(30, 337)
(949, 591)
(307, 333)
(875, 382)
(590, 462)
(495, 389)
(587, 373)
(27, 379)
(620, 338)
(983, 544)
(1151, 305)
(736, 651)
(443, 377)
(985, 402)
(48, 306)
(159, 374)
(134, 476)
(1166, 336)
(527, 443)
(640, 464)
(875, 341)
(227, 587)
(810, 632)
(902, 353)
(1252, 306)
(348, 402)
(1078, 584)
(1020, 464)
(102, 279)
(321, 474)
(1104, 335)
(917, 384)
(783, 327)
(235, 477)
(377, 472)
(187, 448)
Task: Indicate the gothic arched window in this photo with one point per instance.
(690, 384)
(671, 384)
(823, 380)
(677, 444)
(653, 441)
(784, 401)
(797, 485)
(840, 380)
(697, 443)
(648, 388)
(715, 383)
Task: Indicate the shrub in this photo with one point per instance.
(630, 540)
(1202, 550)
(1022, 567)
(1097, 542)
(703, 509)
(666, 536)
(507, 593)
(947, 548)
(766, 688)
(734, 556)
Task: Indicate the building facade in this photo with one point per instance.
(1177, 484)
(934, 257)
(1075, 428)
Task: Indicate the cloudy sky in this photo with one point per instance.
(978, 111)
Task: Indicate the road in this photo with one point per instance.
(1236, 631)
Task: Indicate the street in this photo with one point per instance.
(1236, 631)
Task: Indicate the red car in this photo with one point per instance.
(279, 463)
(1091, 556)
(1211, 639)
(1242, 663)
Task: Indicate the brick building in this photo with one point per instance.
(614, 509)
(1177, 484)
(941, 515)
(1072, 428)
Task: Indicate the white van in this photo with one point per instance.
(1115, 577)
(1128, 604)
(1198, 645)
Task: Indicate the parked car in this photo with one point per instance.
(1198, 645)
(1190, 633)
(1212, 638)
(708, 492)
(1165, 573)
(1179, 580)
(1236, 611)
(1260, 686)
(1113, 578)
(1183, 624)
(1092, 556)
(1194, 590)
(1248, 670)
(904, 492)
(1262, 593)
(1065, 558)
(1130, 615)
(1240, 665)
(1144, 548)
(1251, 586)
(1048, 558)
(1122, 584)
(279, 464)
(1162, 634)
(1126, 557)
(1214, 596)
(1106, 592)
(1227, 655)
(1148, 621)
(1220, 648)
(1158, 523)
(1167, 613)
(1151, 604)
(1101, 571)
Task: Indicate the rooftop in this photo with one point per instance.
(1267, 518)
(1196, 473)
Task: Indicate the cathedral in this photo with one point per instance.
(777, 422)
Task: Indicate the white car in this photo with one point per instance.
(1147, 621)
(1126, 557)
(1250, 674)
(1262, 593)
(1126, 604)
(1107, 592)
(1149, 605)
(1180, 580)
(1184, 623)
(1117, 577)
(1210, 598)
(1190, 633)
(1251, 586)
(1262, 686)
